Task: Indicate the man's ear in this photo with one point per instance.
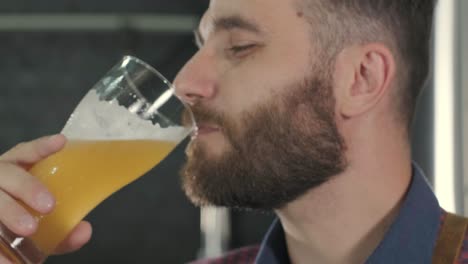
(363, 75)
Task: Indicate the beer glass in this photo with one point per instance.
(126, 124)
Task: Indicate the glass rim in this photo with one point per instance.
(169, 84)
(147, 66)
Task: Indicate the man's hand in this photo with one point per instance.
(16, 184)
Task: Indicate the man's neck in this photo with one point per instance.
(344, 220)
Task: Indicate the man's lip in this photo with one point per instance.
(203, 129)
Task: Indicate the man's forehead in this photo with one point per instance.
(222, 8)
(258, 12)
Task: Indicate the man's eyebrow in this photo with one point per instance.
(229, 23)
(235, 22)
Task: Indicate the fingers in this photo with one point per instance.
(19, 188)
(80, 235)
(15, 217)
(34, 151)
(21, 185)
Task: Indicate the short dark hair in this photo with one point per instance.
(404, 25)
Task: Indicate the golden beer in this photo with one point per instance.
(86, 172)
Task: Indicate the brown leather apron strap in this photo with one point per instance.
(450, 240)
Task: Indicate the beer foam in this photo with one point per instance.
(95, 119)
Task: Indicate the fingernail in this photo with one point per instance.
(45, 201)
(27, 222)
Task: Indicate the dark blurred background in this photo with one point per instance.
(51, 56)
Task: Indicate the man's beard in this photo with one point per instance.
(275, 154)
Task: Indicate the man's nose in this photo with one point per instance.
(196, 80)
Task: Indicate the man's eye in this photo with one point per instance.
(241, 50)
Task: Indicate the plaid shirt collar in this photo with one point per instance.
(410, 239)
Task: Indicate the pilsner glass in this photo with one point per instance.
(126, 124)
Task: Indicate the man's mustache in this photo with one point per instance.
(203, 115)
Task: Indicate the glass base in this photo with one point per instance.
(19, 250)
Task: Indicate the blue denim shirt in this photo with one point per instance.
(410, 239)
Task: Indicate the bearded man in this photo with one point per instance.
(303, 107)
